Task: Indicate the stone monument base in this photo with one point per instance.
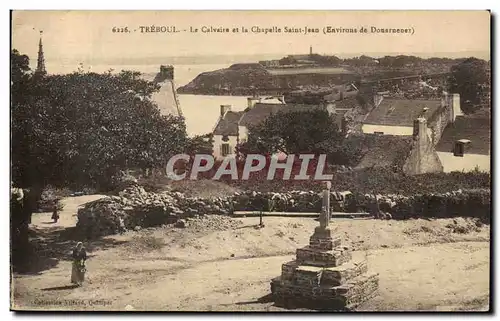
(324, 275)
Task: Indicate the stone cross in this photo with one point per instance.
(324, 217)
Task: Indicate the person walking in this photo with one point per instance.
(55, 212)
(78, 268)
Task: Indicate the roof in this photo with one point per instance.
(229, 124)
(166, 99)
(477, 130)
(401, 112)
(347, 103)
(384, 150)
(261, 111)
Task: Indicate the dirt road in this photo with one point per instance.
(227, 266)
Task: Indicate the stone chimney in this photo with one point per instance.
(422, 141)
(444, 99)
(456, 110)
(224, 109)
(252, 101)
(166, 73)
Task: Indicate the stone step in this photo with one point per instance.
(343, 297)
(292, 273)
(317, 257)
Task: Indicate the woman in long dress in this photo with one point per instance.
(78, 270)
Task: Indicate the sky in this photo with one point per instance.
(71, 37)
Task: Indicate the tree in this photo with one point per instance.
(294, 132)
(469, 79)
(82, 128)
(200, 144)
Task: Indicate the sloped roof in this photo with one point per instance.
(261, 111)
(166, 99)
(401, 112)
(475, 129)
(229, 124)
(384, 150)
(347, 103)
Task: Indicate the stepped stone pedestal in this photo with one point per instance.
(324, 275)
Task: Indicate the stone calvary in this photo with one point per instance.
(324, 274)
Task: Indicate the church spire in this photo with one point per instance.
(40, 67)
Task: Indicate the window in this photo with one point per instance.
(225, 149)
(378, 133)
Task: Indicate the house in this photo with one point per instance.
(232, 127)
(166, 98)
(226, 132)
(392, 116)
(412, 154)
(443, 139)
(466, 145)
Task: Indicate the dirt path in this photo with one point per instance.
(229, 269)
(68, 216)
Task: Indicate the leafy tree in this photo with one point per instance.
(294, 132)
(200, 144)
(469, 79)
(82, 128)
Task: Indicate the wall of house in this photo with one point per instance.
(218, 145)
(466, 163)
(438, 123)
(387, 130)
(243, 133)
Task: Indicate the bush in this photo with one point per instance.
(50, 197)
(381, 180)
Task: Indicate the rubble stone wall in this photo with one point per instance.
(136, 207)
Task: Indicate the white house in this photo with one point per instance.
(231, 128)
(466, 145)
(226, 132)
(396, 116)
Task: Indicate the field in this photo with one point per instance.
(308, 70)
(223, 264)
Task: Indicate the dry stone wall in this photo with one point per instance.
(135, 207)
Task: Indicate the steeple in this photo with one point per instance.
(310, 50)
(40, 67)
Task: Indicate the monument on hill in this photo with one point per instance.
(324, 275)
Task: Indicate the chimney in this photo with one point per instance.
(224, 109)
(456, 110)
(166, 73)
(252, 101)
(421, 138)
(444, 99)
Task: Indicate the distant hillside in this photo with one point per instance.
(295, 72)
